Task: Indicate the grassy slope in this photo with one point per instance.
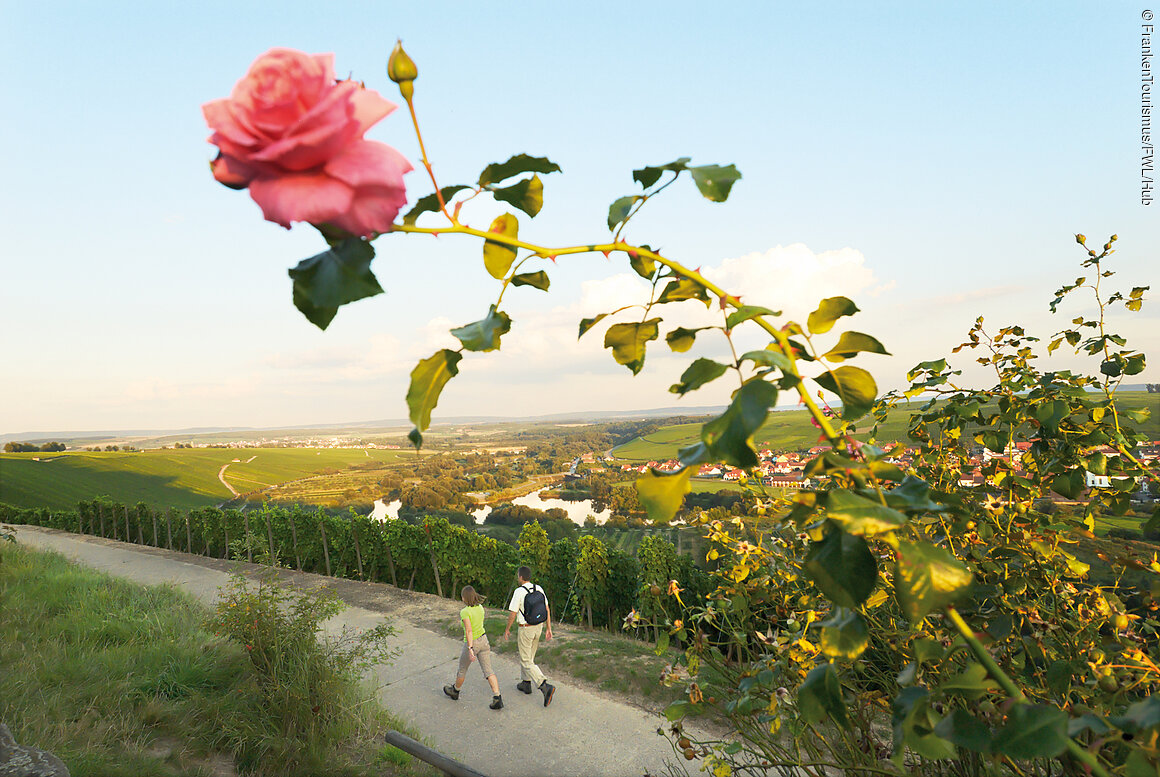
(176, 478)
(791, 430)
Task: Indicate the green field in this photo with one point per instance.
(791, 430)
(186, 477)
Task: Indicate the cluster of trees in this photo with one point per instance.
(29, 447)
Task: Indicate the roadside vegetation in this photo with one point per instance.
(120, 679)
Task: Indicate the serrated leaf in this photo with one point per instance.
(746, 312)
(628, 342)
(1032, 731)
(861, 516)
(647, 176)
(644, 266)
(498, 257)
(843, 567)
(844, 634)
(850, 344)
(972, 683)
(427, 382)
(855, 386)
(527, 195)
(538, 279)
(430, 203)
(325, 282)
(521, 163)
(714, 181)
(484, 335)
(698, 374)
(729, 437)
(965, 730)
(1141, 716)
(677, 291)
(820, 697)
(769, 358)
(588, 323)
(619, 209)
(681, 339)
(928, 578)
(829, 311)
(662, 494)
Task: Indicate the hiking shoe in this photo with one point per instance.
(549, 691)
(496, 703)
(451, 691)
(524, 686)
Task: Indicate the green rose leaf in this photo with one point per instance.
(538, 279)
(910, 720)
(1141, 716)
(427, 381)
(662, 494)
(677, 291)
(861, 516)
(681, 339)
(644, 266)
(619, 209)
(325, 282)
(484, 335)
(527, 195)
(1032, 731)
(521, 163)
(829, 310)
(850, 344)
(729, 437)
(588, 323)
(497, 257)
(820, 697)
(1070, 483)
(647, 176)
(843, 567)
(714, 181)
(430, 203)
(913, 494)
(972, 683)
(746, 312)
(698, 374)
(628, 341)
(965, 730)
(927, 578)
(855, 386)
(844, 634)
(769, 358)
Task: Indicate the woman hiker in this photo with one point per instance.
(475, 647)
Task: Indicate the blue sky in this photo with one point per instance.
(932, 162)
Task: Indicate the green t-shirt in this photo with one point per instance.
(473, 615)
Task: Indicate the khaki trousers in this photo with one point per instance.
(528, 639)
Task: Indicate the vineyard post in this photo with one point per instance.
(153, 513)
(270, 537)
(126, 510)
(357, 549)
(294, 537)
(391, 566)
(434, 565)
(169, 528)
(188, 535)
(325, 550)
(140, 528)
(246, 527)
(101, 515)
(80, 522)
(226, 529)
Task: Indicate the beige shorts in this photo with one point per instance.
(482, 656)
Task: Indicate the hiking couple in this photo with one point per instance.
(529, 605)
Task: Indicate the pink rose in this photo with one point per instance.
(294, 136)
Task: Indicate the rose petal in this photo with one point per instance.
(309, 150)
(369, 163)
(232, 172)
(369, 108)
(373, 210)
(312, 197)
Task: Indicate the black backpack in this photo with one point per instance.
(535, 606)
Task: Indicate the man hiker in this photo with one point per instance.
(529, 605)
